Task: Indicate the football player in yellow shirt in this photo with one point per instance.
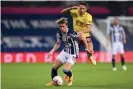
(82, 24)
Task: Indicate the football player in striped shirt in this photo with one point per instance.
(117, 37)
(69, 54)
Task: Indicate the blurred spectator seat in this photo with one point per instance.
(130, 11)
(99, 10)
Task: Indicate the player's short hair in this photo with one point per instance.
(116, 18)
(62, 21)
(85, 4)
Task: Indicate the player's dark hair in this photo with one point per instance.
(116, 18)
(62, 21)
(85, 4)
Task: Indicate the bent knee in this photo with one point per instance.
(65, 70)
(55, 67)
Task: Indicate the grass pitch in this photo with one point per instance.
(86, 76)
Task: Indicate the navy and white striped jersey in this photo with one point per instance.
(116, 33)
(70, 40)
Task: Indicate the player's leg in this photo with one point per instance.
(58, 63)
(114, 52)
(88, 48)
(123, 62)
(122, 57)
(91, 51)
(84, 41)
(54, 70)
(113, 63)
(67, 69)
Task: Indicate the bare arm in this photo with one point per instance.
(56, 46)
(66, 10)
(124, 37)
(108, 39)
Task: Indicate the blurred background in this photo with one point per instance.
(28, 29)
(28, 33)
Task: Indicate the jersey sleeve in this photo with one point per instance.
(58, 37)
(74, 35)
(73, 12)
(89, 20)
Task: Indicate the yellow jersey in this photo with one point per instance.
(80, 22)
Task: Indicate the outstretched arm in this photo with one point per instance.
(66, 10)
(56, 46)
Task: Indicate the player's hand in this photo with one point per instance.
(75, 7)
(124, 41)
(80, 34)
(50, 54)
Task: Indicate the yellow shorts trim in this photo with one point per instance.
(86, 35)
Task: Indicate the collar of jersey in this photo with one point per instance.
(117, 25)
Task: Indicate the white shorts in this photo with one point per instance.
(117, 47)
(65, 57)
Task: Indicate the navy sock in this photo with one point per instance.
(122, 60)
(67, 72)
(53, 73)
(113, 61)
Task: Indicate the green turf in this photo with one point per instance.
(86, 76)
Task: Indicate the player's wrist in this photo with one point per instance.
(52, 51)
